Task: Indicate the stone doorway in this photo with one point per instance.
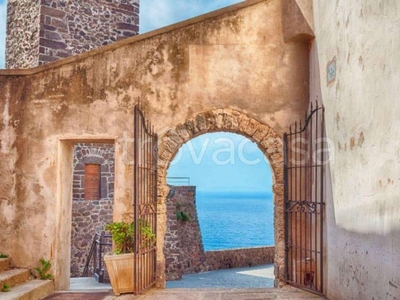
(234, 121)
(65, 167)
(92, 200)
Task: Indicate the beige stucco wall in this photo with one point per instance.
(234, 59)
(362, 120)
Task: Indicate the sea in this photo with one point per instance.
(231, 220)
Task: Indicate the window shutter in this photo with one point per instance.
(92, 182)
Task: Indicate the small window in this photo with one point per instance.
(92, 182)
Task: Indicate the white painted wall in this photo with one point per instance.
(363, 121)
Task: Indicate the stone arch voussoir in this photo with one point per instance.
(221, 120)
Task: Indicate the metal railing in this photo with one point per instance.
(178, 181)
(95, 266)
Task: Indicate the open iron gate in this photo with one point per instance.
(304, 159)
(144, 202)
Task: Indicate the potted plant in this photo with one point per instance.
(120, 263)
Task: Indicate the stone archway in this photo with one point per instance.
(227, 120)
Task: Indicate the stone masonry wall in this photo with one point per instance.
(90, 216)
(243, 257)
(48, 30)
(22, 43)
(102, 154)
(71, 27)
(183, 248)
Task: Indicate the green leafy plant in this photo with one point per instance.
(123, 235)
(6, 288)
(148, 236)
(44, 269)
(3, 255)
(181, 216)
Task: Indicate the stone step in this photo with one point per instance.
(30, 290)
(13, 277)
(4, 264)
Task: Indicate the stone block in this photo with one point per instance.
(59, 24)
(127, 26)
(49, 11)
(52, 44)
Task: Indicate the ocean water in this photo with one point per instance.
(235, 220)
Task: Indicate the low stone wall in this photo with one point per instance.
(88, 217)
(236, 258)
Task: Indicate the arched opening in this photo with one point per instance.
(227, 121)
(220, 214)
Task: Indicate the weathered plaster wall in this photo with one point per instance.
(232, 59)
(297, 20)
(362, 121)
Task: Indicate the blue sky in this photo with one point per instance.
(210, 174)
(171, 11)
(223, 162)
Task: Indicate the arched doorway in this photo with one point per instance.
(227, 120)
(220, 213)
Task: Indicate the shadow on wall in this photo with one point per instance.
(351, 255)
(362, 233)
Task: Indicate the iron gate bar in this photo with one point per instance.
(144, 201)
(304, 201)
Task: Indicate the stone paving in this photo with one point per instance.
(79, 296)
(284, 293)
(239, 278)
(233, 284)
(220, 294)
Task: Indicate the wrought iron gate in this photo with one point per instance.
(144, 202)
(304, 159)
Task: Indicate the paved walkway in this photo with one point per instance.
(233, 284)
(285, 293)
(240, 278)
